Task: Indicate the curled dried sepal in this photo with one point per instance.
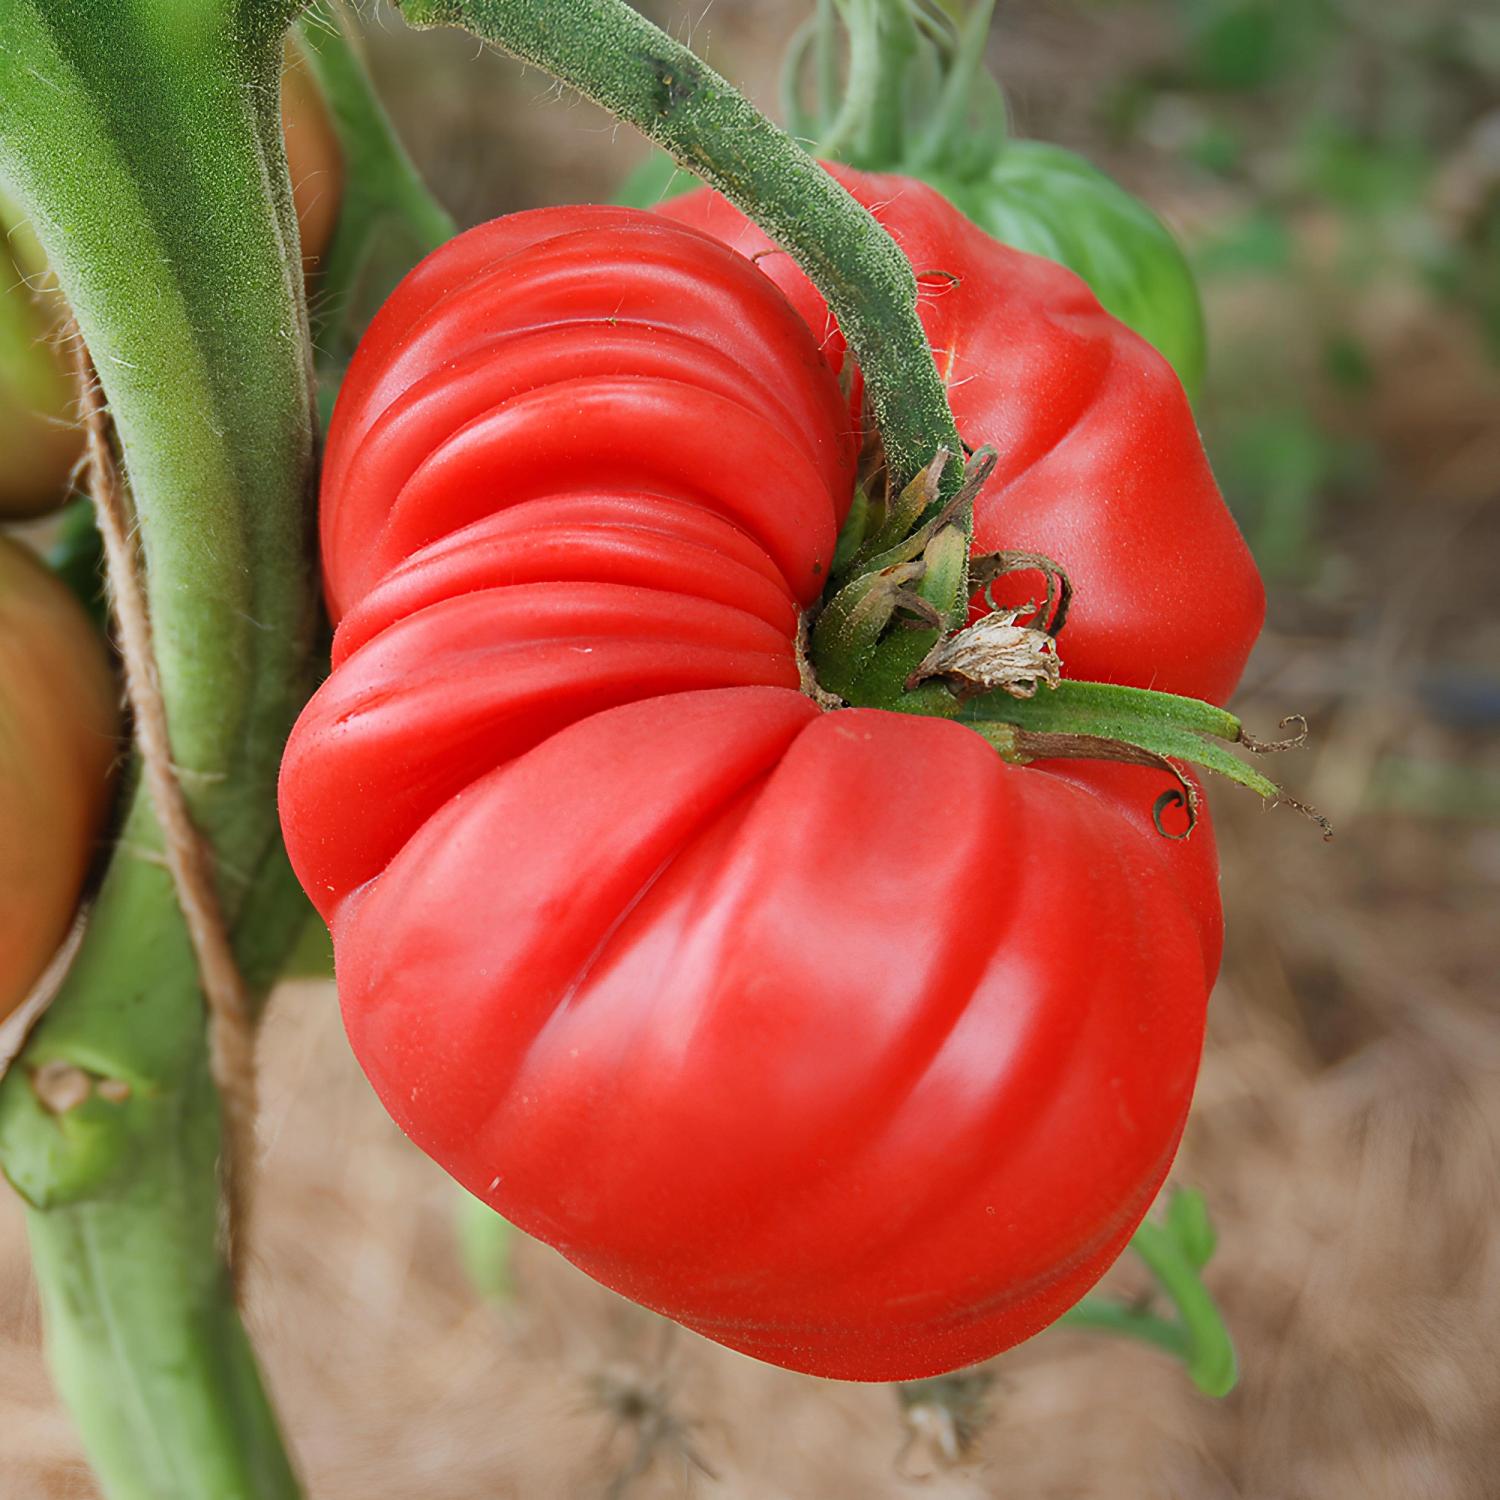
(995, 654)
(1295, 741)
(988, 568)
(1023, 746)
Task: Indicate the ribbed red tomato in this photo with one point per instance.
(828, 1034)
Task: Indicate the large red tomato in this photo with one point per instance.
(829, 1034)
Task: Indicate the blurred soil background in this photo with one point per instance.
(1334, 167)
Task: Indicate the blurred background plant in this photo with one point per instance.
(1333, 170)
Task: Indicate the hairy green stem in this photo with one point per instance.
(144, 144)
(614, 56)
(611, 54)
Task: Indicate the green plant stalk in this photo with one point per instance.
(614, 56)
(950, 120)
(142, 139)
(1197, 1336)
(883, 40)
(1104, 1315)
(486, 1246)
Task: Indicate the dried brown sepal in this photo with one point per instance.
(993, 654)
(1022, 746)
(1308, 811)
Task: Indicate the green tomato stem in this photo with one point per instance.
(949, 125)
(1211, 1361)
(143, 1332)
(1105, 1315)
(486, 1245)
(145, 147)
(827, 61)
(611, 54)
(798, 122)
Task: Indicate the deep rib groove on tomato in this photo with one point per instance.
(828, 1034)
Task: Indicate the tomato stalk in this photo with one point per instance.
(915, 95)
(950, 131)
(611, 54)
(145, 147)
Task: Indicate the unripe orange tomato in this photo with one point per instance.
(59, 718)
(313, 157)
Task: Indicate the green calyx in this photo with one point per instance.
(891, 634)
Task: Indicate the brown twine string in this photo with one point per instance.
(231, 1037)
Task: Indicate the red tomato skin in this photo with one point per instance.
(830, 1035)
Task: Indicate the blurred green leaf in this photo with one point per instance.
(1347, 362)
(1273, 468)
(1259, 241)
(1248, 44)
(1218, 148)
(1359, 173)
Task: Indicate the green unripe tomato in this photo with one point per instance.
(39, 439)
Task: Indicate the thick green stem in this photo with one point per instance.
(143, 1331)
(613, 55)
(142, 139)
